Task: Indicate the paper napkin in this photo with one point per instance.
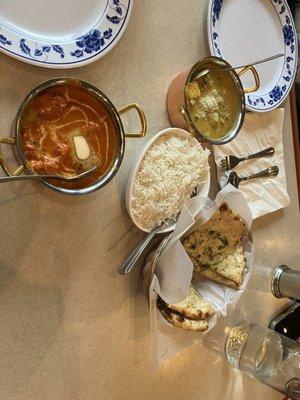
(260, 130)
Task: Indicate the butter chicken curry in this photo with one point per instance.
(65, 130)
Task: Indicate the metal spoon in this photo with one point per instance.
(235, 180)
(204, 72)
(169, 223)
(38, 177)
(131, 261)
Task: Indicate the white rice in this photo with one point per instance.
(168, 174)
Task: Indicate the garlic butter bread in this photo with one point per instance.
(193, 306)
(189, 314)
(216, 250)
(180, 321)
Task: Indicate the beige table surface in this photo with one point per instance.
(70, 327)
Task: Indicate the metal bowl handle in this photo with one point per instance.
(6, 169)
(256, 78)
(187, 121)
(142, 117)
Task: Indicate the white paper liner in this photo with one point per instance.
(173, 273)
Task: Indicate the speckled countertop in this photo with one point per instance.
(70, 327)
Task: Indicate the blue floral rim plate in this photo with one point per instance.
(270, 32)
(74, 52)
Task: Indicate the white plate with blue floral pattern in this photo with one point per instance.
(243, 31)
(61, 33)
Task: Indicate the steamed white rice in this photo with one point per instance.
(168, 174)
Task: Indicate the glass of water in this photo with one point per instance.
(265, 355)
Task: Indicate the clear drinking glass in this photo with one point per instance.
(266, 356)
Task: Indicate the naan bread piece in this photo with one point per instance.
(215, 240)
(232, 267)
(216, 250)
(212, 275)
(180, 321)
(193, 306)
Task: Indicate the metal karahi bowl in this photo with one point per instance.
(219, 63)
(15, 139)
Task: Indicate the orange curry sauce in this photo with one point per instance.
(48, 125)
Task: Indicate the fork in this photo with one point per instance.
(230, 162)
(235, 180)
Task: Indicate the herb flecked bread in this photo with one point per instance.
(189, 314)
(193, 306)
(180, 321)
(216, 250)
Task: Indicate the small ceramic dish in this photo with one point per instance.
(202, 189)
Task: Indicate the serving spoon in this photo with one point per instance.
(131, 261)
(204, 72)
(47, 176)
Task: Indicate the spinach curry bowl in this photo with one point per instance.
(65, 127)
(215, 101)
